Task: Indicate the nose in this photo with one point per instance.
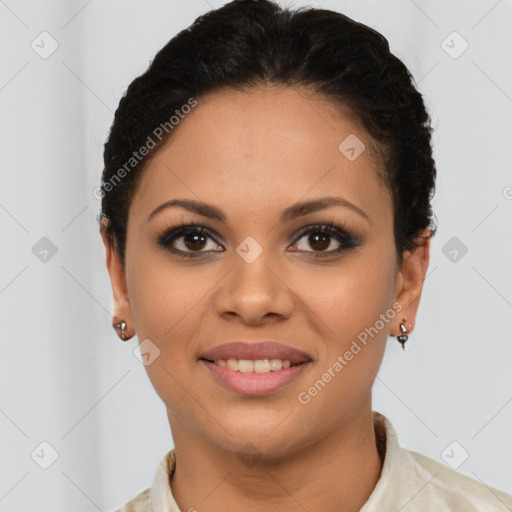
(255, 292)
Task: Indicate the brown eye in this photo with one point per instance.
(326, 240)
(318, 241)
(189, 240)
(194, 242)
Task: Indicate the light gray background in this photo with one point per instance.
(65, 377)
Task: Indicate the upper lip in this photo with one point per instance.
(256, 350)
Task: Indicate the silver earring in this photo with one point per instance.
(402, 338)
(121, 326)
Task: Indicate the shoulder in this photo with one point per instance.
(454, 490)
(159, 495)
(141, 503)
(412, 482)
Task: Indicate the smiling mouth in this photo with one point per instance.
(254, 365)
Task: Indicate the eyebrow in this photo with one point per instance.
(296, 210)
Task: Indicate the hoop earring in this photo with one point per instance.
(402, 338)
(121, 326)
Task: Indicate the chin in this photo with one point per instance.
(271, 438)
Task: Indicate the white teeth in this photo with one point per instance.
(276, 364)
(257, 365)
(245, 365)
(232, 364)
(262, 366)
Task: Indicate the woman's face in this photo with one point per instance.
(252, 156)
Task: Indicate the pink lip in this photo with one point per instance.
(260, 350)
(252, 383)
(255, 383)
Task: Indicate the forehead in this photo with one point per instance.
(263, 146)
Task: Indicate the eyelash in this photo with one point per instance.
(348, 240)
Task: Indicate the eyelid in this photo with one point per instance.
(347, 238)
(171, 233)
(332, 228)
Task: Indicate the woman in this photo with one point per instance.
(267, 222)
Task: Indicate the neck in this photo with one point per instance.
(335, 473)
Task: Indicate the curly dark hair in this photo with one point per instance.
(252, 43)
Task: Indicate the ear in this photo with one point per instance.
(409, 282)
(122, 308)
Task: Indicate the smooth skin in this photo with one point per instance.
(253, 154)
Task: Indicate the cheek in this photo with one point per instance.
(164, 297)
(167, 305)
(354, 312)
(163, 312)
(351, 297)
(354, 309)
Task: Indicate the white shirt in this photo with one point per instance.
(409, 482)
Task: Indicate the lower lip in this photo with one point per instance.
(252, 383)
